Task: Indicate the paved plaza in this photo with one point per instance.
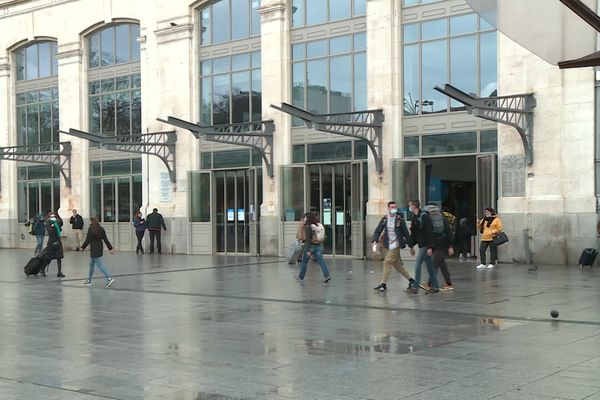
(224, 328)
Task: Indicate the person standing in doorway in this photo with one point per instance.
(154, 223)
(443, 238)
(76, 222)
(421, 230)
(392, 228)
(489, 227)
(55, 247)
(140, 229)
(96, 235)
(314, 233)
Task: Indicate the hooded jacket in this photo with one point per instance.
(95, 236)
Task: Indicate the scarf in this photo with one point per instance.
(57, 227)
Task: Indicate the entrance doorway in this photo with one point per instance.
(237, 197)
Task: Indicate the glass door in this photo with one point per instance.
(486, 183)
(406, 183)
(357, 202)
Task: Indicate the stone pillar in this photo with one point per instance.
(8, 195)
(275, 50)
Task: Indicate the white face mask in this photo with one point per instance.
(411, 208)
(393, 211)
(52, 218)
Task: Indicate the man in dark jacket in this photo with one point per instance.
(96, 235)
(76, 222)
(392, 229)
(154, 223)
(421, 230)
(443, 237)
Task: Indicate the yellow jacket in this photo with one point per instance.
(488, 232)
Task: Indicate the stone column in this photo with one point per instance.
(275, 50)
(8, 195)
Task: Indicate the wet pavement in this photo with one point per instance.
(223, 328)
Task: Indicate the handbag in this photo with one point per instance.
(500, 239)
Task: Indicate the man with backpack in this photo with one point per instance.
(421, 230)
(443, 238)
(314, 234)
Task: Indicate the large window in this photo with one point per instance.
(460, 50)
(116, 44)
(226, 20)
(116, 106)
(312, 12)
(37, 116)
(462, 143)
(329, 75)
(116, 189)
(38, 191)
(37, 61)
(230, 89)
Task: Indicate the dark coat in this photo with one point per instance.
(155, 221)
(421, 230)
(444, 241)
(54, 247)
(39, 227)
(95, 236)
(401, 232)
(139, 224)
(76, 221)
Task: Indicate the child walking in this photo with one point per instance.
(95, 236)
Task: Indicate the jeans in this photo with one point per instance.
(140, 236)
(393, 259)
(317, 251)
(153, 235)
(40, 243)
(422, 256)
(493, 251)
(100, 264)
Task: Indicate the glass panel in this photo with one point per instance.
(411, 146)
(200, 196)
(206, 160)
(45, 60)
(221, 99)
(107, 38)
(108, 205)
(220, 213)
(341, 44)
(55, 121)
(33, 96)
(95, 114)
(463, 24)
(108, 114)
(316, 12)
(122, 82)
(22, 200)
(240, 61)
(407, 3)
(339, 9)
(298, 51)
(256, 95)
(454, 143)
(240, 210)
(95, 198)
(136, 166)
(45, 95)
(40, 172)
(53, 58)
(32, 62)
(488, 64)
(21, 65)
(360, 150)
(116, 167)
(95, 87)
(96, 168)
(255, 17)
(360, 7)
(463, 67)
(33, 122)
(206, 100)
(94, 44)
(136, 195)
(220, 21)
(22, 173)
(136, 80)
(339, 207)
(45, 122)
(298, 89)
(298, 154)
(360, 41)
(205, 26)
(21, 99)
(221, 65)
(412, 95)
(124, 202)
(411, 33)
(123, 38)
(256, 158)
(360, 82)
(256, 57)
(135, 46)
(240, 104)
(136, 112)
(316, 72)
(488, 141)
(123, 113)
(230, 206)
(434, 73)
(434, 29)
(292, 193)
(21, 125)
(329, 151)
(56, 198)
(46, 197)
(232, 158)
(485, 183)
(206, 67)
(340, 82)
(33, 199)
(298, 13)
(240, 16)
(107, 85)
(405, 183)
(483, 25)
(316, 49)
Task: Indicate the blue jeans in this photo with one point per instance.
(422, 256)
(317, 251)
(40, 243)
(100, 264)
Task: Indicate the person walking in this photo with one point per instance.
(392, 229)
(76, 222)
(300, 236)
(96, 235)
(443, 238)
(154, 223)
(54, 247)
(314, 234)
(489, 227)
(140, 229)
(421, 232)
(39, 230)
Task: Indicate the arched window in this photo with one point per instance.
(226, 20)
(37, 61)
(116, 44)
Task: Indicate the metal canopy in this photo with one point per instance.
(257, 135)
(57, 154)
(159, 144)
(515, 111)
(362, 125)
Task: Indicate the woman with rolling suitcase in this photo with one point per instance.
(54, 248)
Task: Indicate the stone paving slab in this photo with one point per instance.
(216, 327)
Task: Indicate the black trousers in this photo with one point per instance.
(140, 236)
(155, 235)
(439, 261)
(493, 251)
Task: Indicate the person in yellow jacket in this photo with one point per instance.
(489, 227)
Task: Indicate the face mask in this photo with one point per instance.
(393, 211)
(52, 218)
(488, 215)
(411, 209)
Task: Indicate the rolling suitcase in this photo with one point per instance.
(294, 252)
(588, 257)
(35, 265)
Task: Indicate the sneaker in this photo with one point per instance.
(299, 280)
(445, 287)
(425, 286)
(60, 275)
(109, 282)
(461, 257)
(481, 266)
(87, 282)
(490, 266)
(327, 280)
(411, 290)
(382, 287)
(468, 255)
(434, 290)
(42, 273)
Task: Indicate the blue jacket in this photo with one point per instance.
(401, 232)
(140, 224)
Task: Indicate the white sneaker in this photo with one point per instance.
(490, 266)
(468, 255)
(481, 266)
(461, 257)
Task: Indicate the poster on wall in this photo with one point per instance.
(230, 215)
(165, 188)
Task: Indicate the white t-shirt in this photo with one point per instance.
(391, 231)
